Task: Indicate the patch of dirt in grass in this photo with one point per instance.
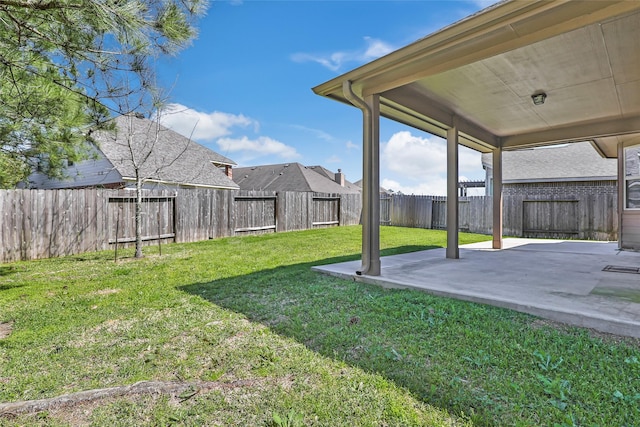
(355, 353)
(552, 324)
(5, 329)
(102, 332)
(615, 339)
(281, 318)
(605, 336)
(102, 292)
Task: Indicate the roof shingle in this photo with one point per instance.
(162, 154)
(290, 177)
(571, 162)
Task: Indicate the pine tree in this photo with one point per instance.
(66, 66)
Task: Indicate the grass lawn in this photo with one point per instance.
(291, 347)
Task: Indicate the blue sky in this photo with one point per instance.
(243, 88)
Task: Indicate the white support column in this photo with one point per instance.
(497, 198)
(452, 193)
(371, 189)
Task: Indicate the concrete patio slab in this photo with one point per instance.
(561, 280)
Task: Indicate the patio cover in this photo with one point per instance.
(472, 83)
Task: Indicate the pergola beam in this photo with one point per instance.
(577, 132)
(433, 117)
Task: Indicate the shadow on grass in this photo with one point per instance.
(6, 287)
(363, 325)
(5, 271)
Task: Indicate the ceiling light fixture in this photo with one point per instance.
(539, 98)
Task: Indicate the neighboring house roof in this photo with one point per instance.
(332, 176)
(383, 190)
(164, 156)
(571, 162)
(290, 177)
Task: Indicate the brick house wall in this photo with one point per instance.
(560, 190)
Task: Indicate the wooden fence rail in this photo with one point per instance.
(50, 223)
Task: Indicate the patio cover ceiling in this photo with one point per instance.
(481, 72)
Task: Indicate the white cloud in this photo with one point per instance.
(317, 132)
(352, 146)
(332, 62)
(419, 158)
(418, 165)
(260, 147)
(221, 127)
(376, 48)
(437, 186)
(334, 159)
(202, 126)
(373, 48)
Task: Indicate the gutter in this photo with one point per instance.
(181, 184)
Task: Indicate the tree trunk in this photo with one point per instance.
(138, 215)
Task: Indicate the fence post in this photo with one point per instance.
(281, 212)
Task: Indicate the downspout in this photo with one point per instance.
(366, 131)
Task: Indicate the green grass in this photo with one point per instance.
(313, 348)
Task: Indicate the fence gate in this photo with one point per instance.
(325, 211)
(255, 214)
(385, 209)
(550, 219)
(158, 218)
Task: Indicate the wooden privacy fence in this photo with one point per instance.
(51, 223)
(589, 217)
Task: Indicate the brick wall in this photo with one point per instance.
(560, 190)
